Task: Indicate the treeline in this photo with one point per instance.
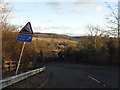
(103, 51)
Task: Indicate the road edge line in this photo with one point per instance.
(94, 79)
(43, 84)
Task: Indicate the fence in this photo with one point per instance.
(9, 65)
(14, 79)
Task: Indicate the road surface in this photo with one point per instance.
(80, 77)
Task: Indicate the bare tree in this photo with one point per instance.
(95, 32)
(113, 19)
(5, 11)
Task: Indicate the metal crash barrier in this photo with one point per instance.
(14, 79)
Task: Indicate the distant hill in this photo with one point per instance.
(52, 35)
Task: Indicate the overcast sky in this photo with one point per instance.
(61, 17)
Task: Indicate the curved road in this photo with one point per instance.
(80, 77)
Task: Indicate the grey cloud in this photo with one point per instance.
(84, 2)
(11, 17)
(67, 30)
(34, 6)
(60, 27)
(18, 10)
(56, 7)
(76, 7)
(73, 7)
(50, 21)
(53, 3)
(54, 27)
(76, 11)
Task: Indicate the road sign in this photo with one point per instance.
(24, 37)
(27, 29)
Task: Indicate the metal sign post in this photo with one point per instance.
(20, 58)
(24, 37)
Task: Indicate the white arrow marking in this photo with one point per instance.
(29, 38)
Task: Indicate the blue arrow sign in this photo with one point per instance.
(24, 37)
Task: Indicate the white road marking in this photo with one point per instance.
(104, 85)
(43, 84)
(28, 38)
(94, 79)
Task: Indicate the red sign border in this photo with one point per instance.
(24, 27)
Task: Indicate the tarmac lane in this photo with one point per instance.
(62, 77)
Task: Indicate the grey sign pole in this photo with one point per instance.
(20, 58)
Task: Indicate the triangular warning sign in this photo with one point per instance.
(27, 29)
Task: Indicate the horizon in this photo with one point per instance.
(68, 18)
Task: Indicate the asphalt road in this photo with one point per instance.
(80, 77)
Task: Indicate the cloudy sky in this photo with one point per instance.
(61, 17)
